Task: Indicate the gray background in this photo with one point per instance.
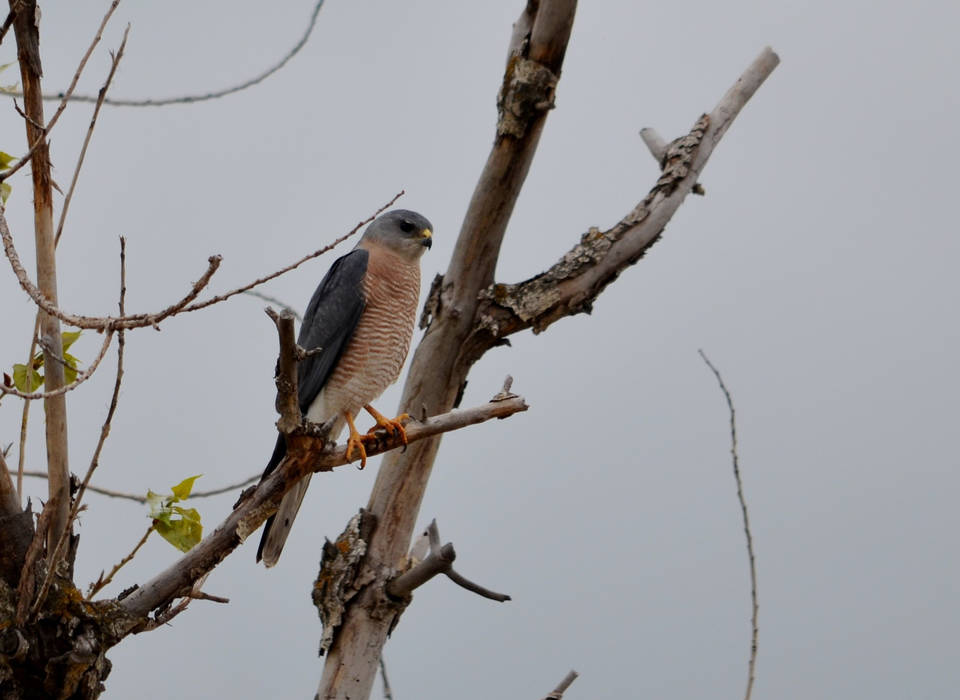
(819, 273)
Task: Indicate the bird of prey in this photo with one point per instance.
(357, 330)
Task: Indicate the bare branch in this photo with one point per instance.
(282, 271)
(143, 499)
(752, 665)
(562, 686)
(438, 562)
(656, 144)
(287, 403)
(573, 284)
(432, 535)
(304, 454)
(481, 591)
(203, 97)
(273, 300)
(99, 323)
(114, 62)
(102, 581)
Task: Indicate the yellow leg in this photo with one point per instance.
(355, 441)
(394, 426)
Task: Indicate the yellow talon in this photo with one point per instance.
(355, 442)
(394, 425)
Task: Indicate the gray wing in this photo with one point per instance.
(329, 322)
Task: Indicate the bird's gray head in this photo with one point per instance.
(402, 231)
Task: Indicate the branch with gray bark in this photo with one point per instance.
(440, 560)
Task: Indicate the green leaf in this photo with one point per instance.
(68, 338)
(5, 190)
(183, 533)
(182, 490)
(6, 160)
(70, 372)
(179, 526)
(20, 374)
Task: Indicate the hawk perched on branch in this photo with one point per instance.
(360, 322)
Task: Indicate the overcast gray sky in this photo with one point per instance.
(819, 274)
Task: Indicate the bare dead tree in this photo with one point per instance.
(468, 312)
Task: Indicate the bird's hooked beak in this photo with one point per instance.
(426, 238)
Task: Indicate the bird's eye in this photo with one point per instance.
(406, 226)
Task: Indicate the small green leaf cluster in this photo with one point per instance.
(179, 526)
(29, 378)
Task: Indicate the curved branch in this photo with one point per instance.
(203, 97)
(103, 323)
(755, 608)
(284, 270)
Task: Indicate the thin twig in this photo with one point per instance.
(273, 300)
(45, 130)
(433, 537)
(114, 62)
(481, 591)
(143, 499)
(102, 582)
(298, 263)
(188, 99)
(751, 669)
(104, 432)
